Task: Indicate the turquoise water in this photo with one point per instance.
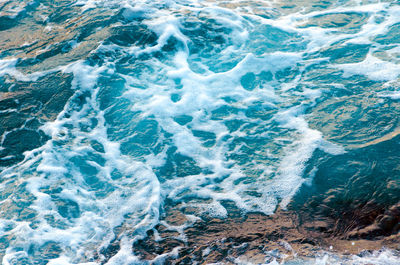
(109, 110)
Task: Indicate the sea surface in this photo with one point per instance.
(113, 110)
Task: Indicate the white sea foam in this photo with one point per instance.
(8, 67)
(374, 68)
(393, 95)
(382, 257)
(98, 214)
(80, 202)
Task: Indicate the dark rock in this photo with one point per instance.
(22, 140)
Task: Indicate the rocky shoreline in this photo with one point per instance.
(254, 238)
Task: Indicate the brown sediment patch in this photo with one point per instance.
(384, 138)
(54, 35)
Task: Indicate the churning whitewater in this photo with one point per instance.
(113, 111)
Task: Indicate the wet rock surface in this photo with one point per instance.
(254, 237)
(51, 34)
(220, 240)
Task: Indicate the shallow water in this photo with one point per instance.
(112, 110)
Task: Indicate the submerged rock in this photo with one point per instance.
(25, 107)
(353, 192)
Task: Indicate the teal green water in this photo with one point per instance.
(111, 110)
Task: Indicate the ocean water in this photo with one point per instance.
(112, 110)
